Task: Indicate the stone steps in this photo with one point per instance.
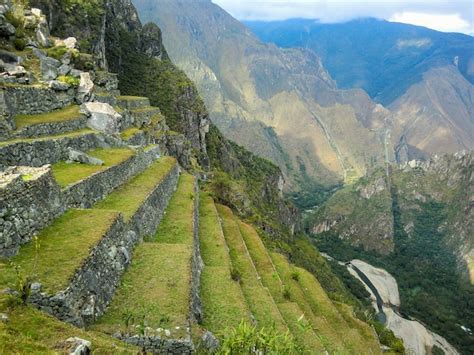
(224, 305)
(156, 290)
(259, 300)
(84, 252)
(49, 149)
(133, 102)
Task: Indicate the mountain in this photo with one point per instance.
(415, 222)
(129, 223)
(278, 103)
(383, 58)
(423, 77)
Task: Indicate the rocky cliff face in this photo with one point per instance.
(281, 104)
(363, 214)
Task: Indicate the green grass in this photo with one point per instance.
(60, 249)
(300, 328)
(131, 98)
(145, 109)
(323, 321)
(258, 298)
(262, 261)
(157, 284)
(74, 134)
(69, 173)
(177, 226)
(62, 115)
(30, 331)
(128, 197)
(223, 303)
(129, 133)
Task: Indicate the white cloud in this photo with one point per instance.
(445, 23)
(442, 15)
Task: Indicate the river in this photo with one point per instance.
(383, 290)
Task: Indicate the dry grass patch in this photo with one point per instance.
(129, 133)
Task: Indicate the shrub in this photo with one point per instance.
(286, 292)
(19, 44)
(247, 339)
(295, 275)
(235, 274)
(71, 81)
(57, 52)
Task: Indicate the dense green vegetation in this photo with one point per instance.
(425, 268)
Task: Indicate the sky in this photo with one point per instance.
(441, 15)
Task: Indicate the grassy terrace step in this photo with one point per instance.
(258, 298)
(69, 173)
(128, 197)
(323, 313)
(60, 249)
(223, 303)
(30, 331)
(156, 287)
(132, 102)
(294, 313)
(323, 317)
(65, 114)
(81, 132)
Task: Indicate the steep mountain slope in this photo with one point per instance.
(101, 223)
(280, 104)
(423, 76)
(418, 226)
(381, 57)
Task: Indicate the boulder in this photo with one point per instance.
(4, 9)
(64, 69)
(49, 68)
(42, 33)
(36, 12)
(17, 71)
(102, 117)
(58, 85)
(3, 318)
(77, 346)
(70, 43)
(75, 73)
(84, 91)
(6, 28)
(81, 157)
(210, 342)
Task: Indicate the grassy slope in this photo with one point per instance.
(65, 114)
(30, 331)
(258, 298)
(156, 287)
(223, 303)
(62, 247)
(69, 173)
(128, 198)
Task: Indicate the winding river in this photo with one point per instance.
(383, 290)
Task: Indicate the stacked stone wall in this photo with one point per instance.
(29, 200)
(85, 193)
(93, 285)
(196, 264)
(49, 151)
